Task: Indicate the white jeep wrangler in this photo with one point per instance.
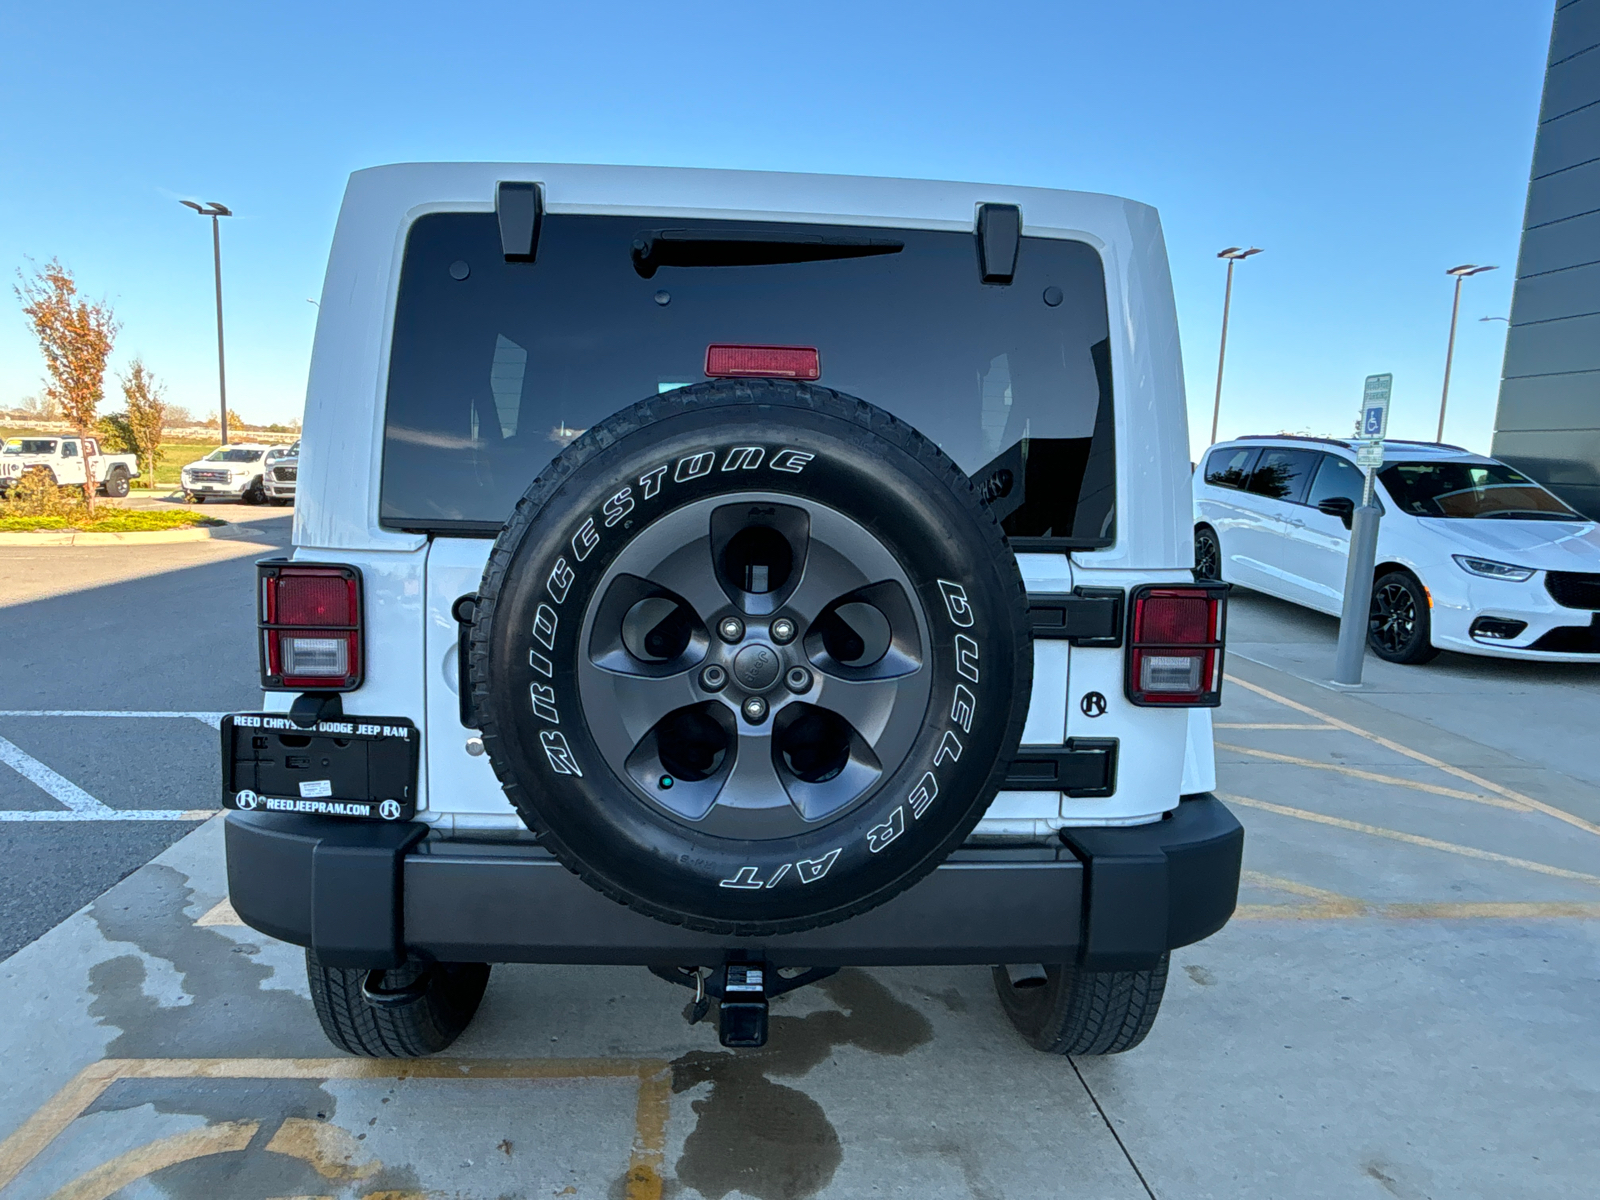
(741, 576)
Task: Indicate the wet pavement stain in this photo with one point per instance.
(773, 1142)
(230, 1016)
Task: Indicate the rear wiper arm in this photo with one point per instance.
(692, 248)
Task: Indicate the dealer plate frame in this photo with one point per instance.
(342, 774)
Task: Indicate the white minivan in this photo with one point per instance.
(1472, 554)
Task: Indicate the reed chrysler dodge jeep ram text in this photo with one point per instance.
(739, 576)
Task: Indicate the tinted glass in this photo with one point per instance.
(1281, 474)
(1458, 489)
(1335, 478)
(238, 456)
(69, 449)
(30, 446)
(496, 366)
(1230, 466)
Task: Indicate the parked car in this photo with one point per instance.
(1472, 554)
(67, 459)
(233, 472)
(282, 470)
(775, 580)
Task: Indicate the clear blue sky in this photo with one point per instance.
(1366, 146)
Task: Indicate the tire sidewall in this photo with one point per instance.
(605, 490)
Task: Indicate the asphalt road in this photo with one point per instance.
(161, 629)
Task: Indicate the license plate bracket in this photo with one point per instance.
(360, 767)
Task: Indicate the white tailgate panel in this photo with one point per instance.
(457, 781)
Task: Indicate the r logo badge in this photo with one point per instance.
(1093, 704)
(389, 810)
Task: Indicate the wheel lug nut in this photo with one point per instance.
(798, 680)
(714, 678)
(783, 631)
(730, 629)
(755, 710)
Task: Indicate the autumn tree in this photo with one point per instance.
(147, 412)
(75, 338)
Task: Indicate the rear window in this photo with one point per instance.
(1230, 466)
(29, 446)
(496, 366)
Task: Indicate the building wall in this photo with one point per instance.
(1548, 422)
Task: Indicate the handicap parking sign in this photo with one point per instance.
(1375, 406)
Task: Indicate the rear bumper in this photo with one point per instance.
(368, 895)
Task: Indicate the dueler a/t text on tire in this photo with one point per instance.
(751, 657)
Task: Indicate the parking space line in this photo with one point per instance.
(1395, 780)
(1336, 906)
(107, 1179)
(26, 816)
(653, 1076)
(1549, 810)
(80, 804)
(1266, 725)
(220, 913)
(213, 719)
(1413, 839)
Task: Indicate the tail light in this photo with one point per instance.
(1175, 645)
(310, 620)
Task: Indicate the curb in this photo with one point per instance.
(75, 537)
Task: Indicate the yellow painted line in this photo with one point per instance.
(1413, 839)
(61, 1110)
(143, 1161)
(649, 1134)
(1266, 725)
(653, 1077)
(1433, 789)
(326, 1148)
(1549, 810)
(220, 913)
(1295, 888)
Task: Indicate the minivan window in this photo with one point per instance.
(1281, 474)
(496, 366)
(1230, 466)
(1337, 478)
(1466, 489)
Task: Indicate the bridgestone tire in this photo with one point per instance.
(1084, 1012)
(437, 1017)
(754, 443)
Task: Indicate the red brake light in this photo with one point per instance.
(310, 618)
(774, 362)
(1175, 645)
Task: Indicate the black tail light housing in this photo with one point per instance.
(309, 616)
(1175, 641)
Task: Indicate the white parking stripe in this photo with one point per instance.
(109, 814)
(213, 719)
(84, 806)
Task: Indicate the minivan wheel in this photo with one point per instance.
(1207, 555)
(1068, 1010)
(1398, 629)
(406, 1012)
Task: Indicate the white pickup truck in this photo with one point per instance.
(65, 459)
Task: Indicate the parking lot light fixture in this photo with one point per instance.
(214, 210)
(1460, 273)
(1233, 254)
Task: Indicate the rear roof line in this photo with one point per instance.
(1346, 443)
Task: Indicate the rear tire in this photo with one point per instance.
(1399, 628)
(254, 494)
(1072, 1011)
(446, 998)
(116, 484)
(1207, 555)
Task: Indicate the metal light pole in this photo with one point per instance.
(214, 210)
(1233, 254)
(1460, 273)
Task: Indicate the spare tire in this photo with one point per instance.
(751, 657)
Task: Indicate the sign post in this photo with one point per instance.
(1355, 616)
